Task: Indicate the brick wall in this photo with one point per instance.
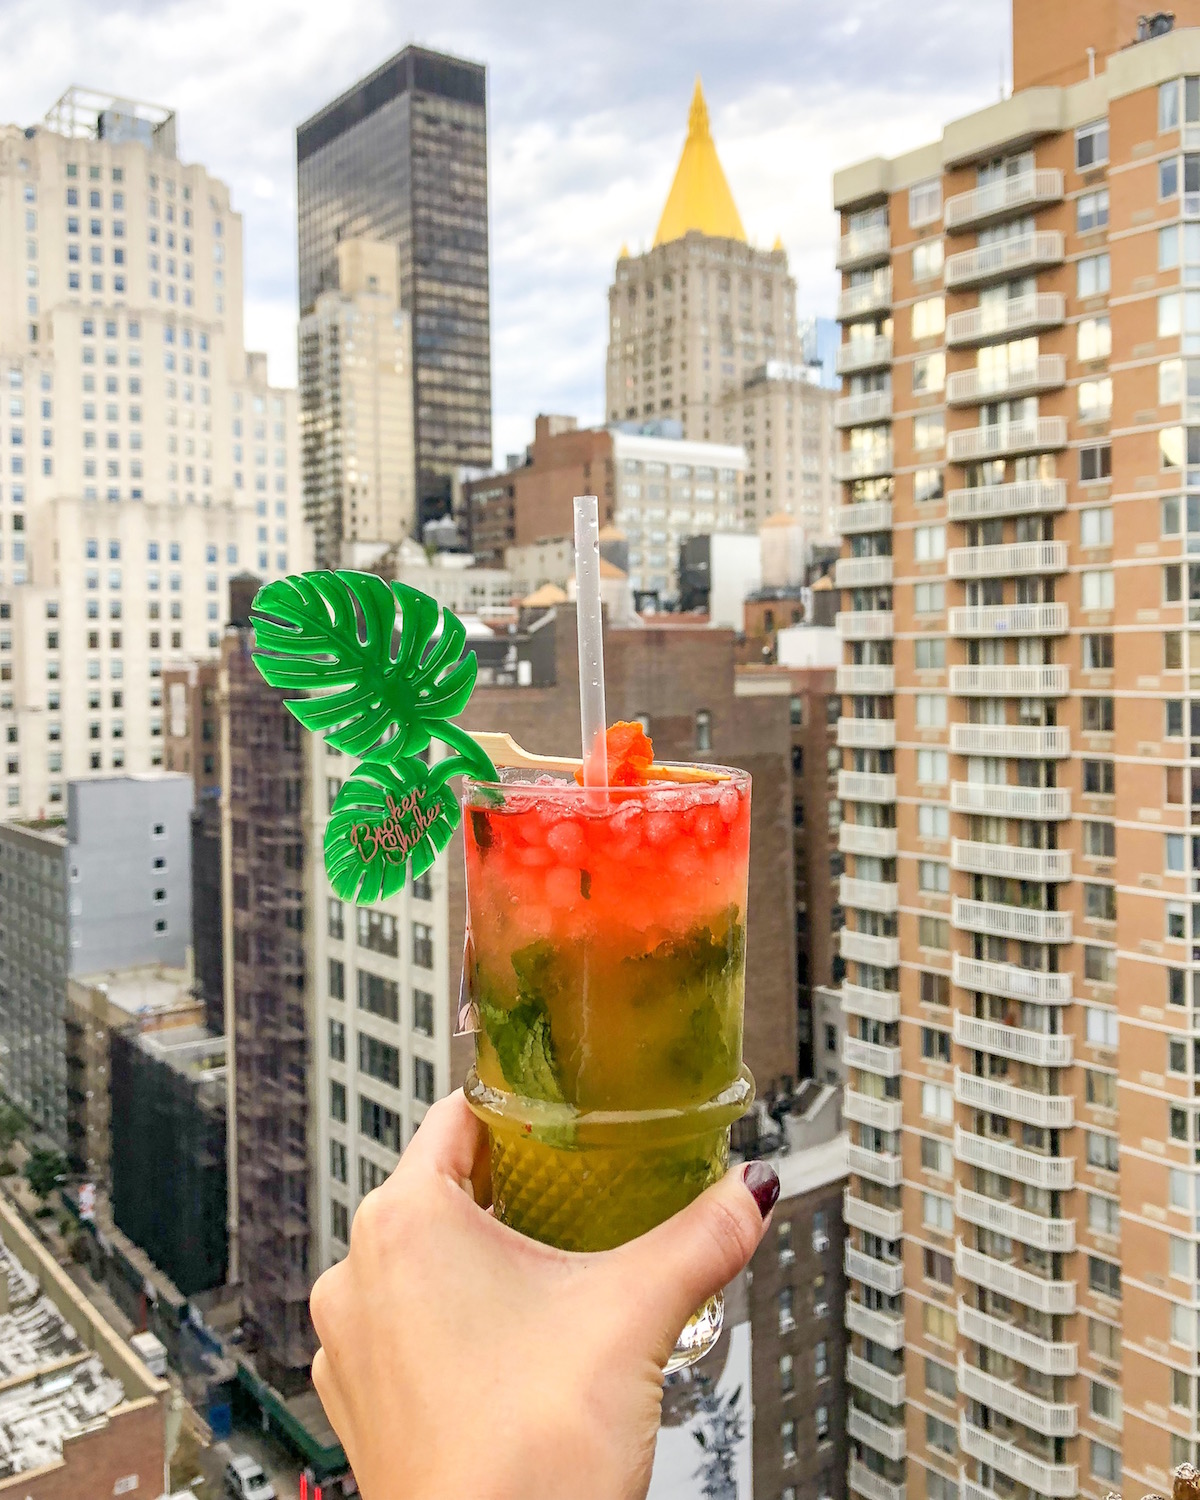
(130, 1446)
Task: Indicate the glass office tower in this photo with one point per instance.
(402, 157)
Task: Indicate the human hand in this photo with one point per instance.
(459, 1358)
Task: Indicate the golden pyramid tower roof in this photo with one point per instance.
(699, 197)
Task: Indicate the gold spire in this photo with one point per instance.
(699, 197)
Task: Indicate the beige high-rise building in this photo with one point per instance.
(783, 418)
(356, 408)
(702, 330)
(1020, 722)
(144, 458)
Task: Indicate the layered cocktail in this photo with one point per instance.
(606, 968)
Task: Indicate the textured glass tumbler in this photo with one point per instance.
(605, 978)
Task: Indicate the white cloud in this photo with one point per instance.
(587, 115)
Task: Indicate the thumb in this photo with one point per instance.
(673, 1269)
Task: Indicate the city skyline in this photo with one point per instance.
(581, 155)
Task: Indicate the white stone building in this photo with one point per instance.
(144, 458)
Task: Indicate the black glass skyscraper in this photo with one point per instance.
(402, 156)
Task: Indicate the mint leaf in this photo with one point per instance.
(525, 1049)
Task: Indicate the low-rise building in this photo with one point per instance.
(656, 485)
(108, 887)
(81, 1414)
(169, 1150)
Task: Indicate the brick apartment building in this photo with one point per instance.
(1020, 482)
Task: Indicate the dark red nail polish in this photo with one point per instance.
(763, 1181)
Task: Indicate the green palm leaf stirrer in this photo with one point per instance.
(380, 682)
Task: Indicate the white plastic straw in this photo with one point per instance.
(591, 640)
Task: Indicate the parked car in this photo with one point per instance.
(245, 1480)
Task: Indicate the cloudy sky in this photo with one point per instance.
(588, 107)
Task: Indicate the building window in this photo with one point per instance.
(787, 1440)
(1104, 1277)
(423, 1012)
(423, 1080)
(940, 1435)
(339, 1223)
(821, 1360)
(378, 1123)
(422, 945)
(337, 1161)
(337, 1101)
(786, 1319)
(925, 202)
(378, 1059)
(822, 1423)
(1091, 145)
(337, 1041)
(703, 731)
(1101, 1026)
(337, 978)
(378, 996)
(787, 1374)
(1105, 1463)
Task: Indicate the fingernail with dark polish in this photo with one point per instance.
(763, 1181)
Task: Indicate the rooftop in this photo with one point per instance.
(190, 1050)
(59, 1378)
(700, 198)
(143, 991)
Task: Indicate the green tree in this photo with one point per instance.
(12, 1127)
(44, 1171)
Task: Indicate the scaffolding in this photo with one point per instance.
(89, 114)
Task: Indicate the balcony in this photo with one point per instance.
(870, 1486)
(1006, 559)
(1048, 372)
(1004, 1338)
(862, 572)
(1009, 619)
(865, 624)
(860, 463)
(866, 786)
(1016, 1223)
(1023, 498)
(1026, 742)
(872, 678)
(866, 948)
(1051, 1419)
(1047, 1479)
(1032, 1291)
(1037, 1047)
(1050, 802)
(883, 1114)
(884, 1275)
(875, 1005)
(1054, 1111)
(887, 1223)
(869, 895)
(877, 1166)
(1022, 923)
(1008, 195)
(866, 299)
(856, 838)
(864, 515)
(1017, 316)
(1054, 1172)
(869, 1055)
(864, 354)
(891, 1441)
(867, 734)
(1010, 860)
(1003, 439)
(865, 1376)
(1003, 258)
(862, 245)
(1011, 682)
(1010, 981)
(880, 1327)
(867, 406)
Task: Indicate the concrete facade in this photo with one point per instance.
(146, 456)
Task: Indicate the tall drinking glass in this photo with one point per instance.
(605, 967)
